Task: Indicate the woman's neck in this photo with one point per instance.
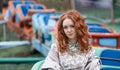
(74, 41)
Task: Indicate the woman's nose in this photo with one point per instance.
(69, 29)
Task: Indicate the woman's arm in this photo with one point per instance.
(93, 62)
(52, 59)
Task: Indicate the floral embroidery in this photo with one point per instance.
(73, 59)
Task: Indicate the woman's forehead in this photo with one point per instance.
(67, 21)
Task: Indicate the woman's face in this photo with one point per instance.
(69, 29)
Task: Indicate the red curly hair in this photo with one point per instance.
(81, 31)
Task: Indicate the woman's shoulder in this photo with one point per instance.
(91, 52)
(54, 46)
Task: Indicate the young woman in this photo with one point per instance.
(72, 50)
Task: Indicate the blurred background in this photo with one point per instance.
(104, 11)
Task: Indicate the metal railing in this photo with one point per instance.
(18, 63)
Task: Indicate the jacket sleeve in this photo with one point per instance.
(93, 62)
(52, 59)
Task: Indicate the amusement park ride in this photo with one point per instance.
(35, 24)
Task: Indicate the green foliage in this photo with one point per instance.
(115, 26)
(60, 5)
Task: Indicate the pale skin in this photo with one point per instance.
(69, 29)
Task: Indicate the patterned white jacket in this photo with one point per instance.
(78, 61)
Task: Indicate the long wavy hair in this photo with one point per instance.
(80, 28)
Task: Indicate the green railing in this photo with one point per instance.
(18, 63)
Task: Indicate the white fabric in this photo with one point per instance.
(58, 61)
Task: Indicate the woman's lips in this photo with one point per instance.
(69, 34)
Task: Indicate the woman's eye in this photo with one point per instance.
(72, 26)
(65, 27)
